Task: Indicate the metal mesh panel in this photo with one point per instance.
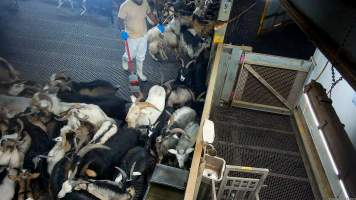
(242, 135)
(256, 92)
(279, 188)
(259, 139)
(281, 80)
(252, 118)
(276, 162)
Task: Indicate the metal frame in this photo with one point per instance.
(256, 59)
(246, 187)
(272, 12)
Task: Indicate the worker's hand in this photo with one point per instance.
(124, 35)
(160, 28)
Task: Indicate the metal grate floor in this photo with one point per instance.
(259, 139)
(40, 40)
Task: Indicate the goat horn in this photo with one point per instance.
(43, 156)
(13, 73)
(177, 130)
(182, 62)
(90, 147)
(189, 63)
(71, 174)
(124, 175)
(22, 126)
(27, 114)
(132, 170)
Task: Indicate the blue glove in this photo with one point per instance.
(160, 28)
(124, 35)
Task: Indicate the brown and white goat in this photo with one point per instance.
(146, 113)
(24, 180)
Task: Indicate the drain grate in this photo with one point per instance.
(283, 188)
(276, 162)
(259, 139)
(242, 135)
(252, 118)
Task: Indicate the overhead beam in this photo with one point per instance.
(339, 57)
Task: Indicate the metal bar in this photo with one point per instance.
(277, 62)
(305, 142)
(194, 174)
(289, 177)
(341, 61)
(236, 124)
(338, 142)
(291, 153)
(265, 9)
(268, 86)
(222, 72)
(261, 107)
(230, 79)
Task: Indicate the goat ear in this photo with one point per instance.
(44, 104)
(189, 150)
(172, 151)
(119, 178)
(133, 98)
(90, 173)
(12, 177)
(35, 175)
(175, 136)
(136, 173)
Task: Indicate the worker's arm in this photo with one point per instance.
(121, 23)
(153, 18)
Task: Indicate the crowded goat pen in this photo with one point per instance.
(67, 139)
(79, 140)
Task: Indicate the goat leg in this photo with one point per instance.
(106, 130)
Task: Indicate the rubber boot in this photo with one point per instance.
(139, 66)
(125, 65)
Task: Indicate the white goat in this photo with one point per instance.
(158, 41)
(11, 106)
(146, 113)
(76, 113)
(12, 151)
(7, 186)
(56, 153)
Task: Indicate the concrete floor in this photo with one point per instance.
(40, 39)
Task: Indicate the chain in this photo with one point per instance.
(334, 81)
(347, 35)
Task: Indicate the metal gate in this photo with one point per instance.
(260, 81)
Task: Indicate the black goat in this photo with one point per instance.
(98, 162)
(193, 75)
(139, 164)
(113, 106)
(94, 88)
